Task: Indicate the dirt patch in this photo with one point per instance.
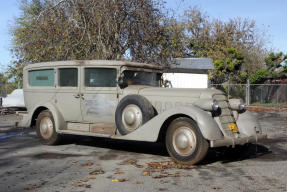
(270, 108)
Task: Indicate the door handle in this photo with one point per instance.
(77, 95)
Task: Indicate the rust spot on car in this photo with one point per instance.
(103, 128)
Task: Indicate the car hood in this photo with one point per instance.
(166, 98)
(179, 92)
(171, 92)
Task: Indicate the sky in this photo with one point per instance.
(269, 16)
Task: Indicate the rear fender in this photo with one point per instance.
(60, 123)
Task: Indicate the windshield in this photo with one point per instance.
(142, 78)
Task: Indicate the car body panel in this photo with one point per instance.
(91, 111)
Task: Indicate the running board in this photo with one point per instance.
(84, 133)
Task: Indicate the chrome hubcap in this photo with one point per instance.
(184, 141)
(46, 127)
(132, 117)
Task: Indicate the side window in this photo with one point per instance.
(68, 77)
(100, 77)
(44, 78)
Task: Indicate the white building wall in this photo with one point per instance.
(187, 80)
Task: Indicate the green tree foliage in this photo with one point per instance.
(3, 79)
(6, 86)
(140, 30)
(228, 68)
(235, 46)
(275, 68)
(259, 75)
(51, 30)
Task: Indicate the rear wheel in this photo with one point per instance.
(184, 141)
(45, 128)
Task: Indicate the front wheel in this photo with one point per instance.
(45, 128)
(184, 141)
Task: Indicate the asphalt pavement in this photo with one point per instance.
(96, 164)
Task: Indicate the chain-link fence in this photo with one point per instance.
(257, 94)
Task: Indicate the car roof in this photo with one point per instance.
(103, 63)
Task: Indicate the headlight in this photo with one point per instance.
(241, 106)
(236, 104)
(207, 104)
(215, 105)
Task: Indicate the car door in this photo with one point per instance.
(68, 100)
(99, 97)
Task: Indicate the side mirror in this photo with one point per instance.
(121, 83)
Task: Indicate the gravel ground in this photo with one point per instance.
(96, 164)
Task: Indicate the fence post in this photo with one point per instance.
(6, 91)
(228, 87)
(277, 96)
(247, 92)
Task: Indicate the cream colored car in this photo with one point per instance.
(125, 100)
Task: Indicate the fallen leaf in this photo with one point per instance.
(119, 173)
(176, 175)
(31, 187)
(73, 163)
(138, 166)
(87, 164)
(216, 188)
(138, 182)
(91, 178)
(168, 165)
(123, 180)
(145, 173)
(115, 180)
(159, 176)
(161, 167)
(85, 180)
(131, 162)
(79, 184)
(97, 172)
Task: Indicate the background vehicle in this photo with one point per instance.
(125, 100)
(14, 101)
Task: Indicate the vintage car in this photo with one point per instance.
(126, 100)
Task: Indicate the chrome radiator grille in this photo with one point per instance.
(225, 115)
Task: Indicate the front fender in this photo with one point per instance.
(150, 130)
(248, 124)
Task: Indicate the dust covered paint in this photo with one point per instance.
(99, 104)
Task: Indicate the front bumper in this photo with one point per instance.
(237, 141)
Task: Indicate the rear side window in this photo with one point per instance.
(68, 77)
(44, 78)
(100, 77)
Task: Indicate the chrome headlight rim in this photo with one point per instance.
(215, 105)
(241, 106)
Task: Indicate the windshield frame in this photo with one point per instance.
(137, 69)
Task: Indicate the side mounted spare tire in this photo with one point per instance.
(132, 112)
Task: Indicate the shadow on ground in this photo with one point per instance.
(256, 152)
(121, 145)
